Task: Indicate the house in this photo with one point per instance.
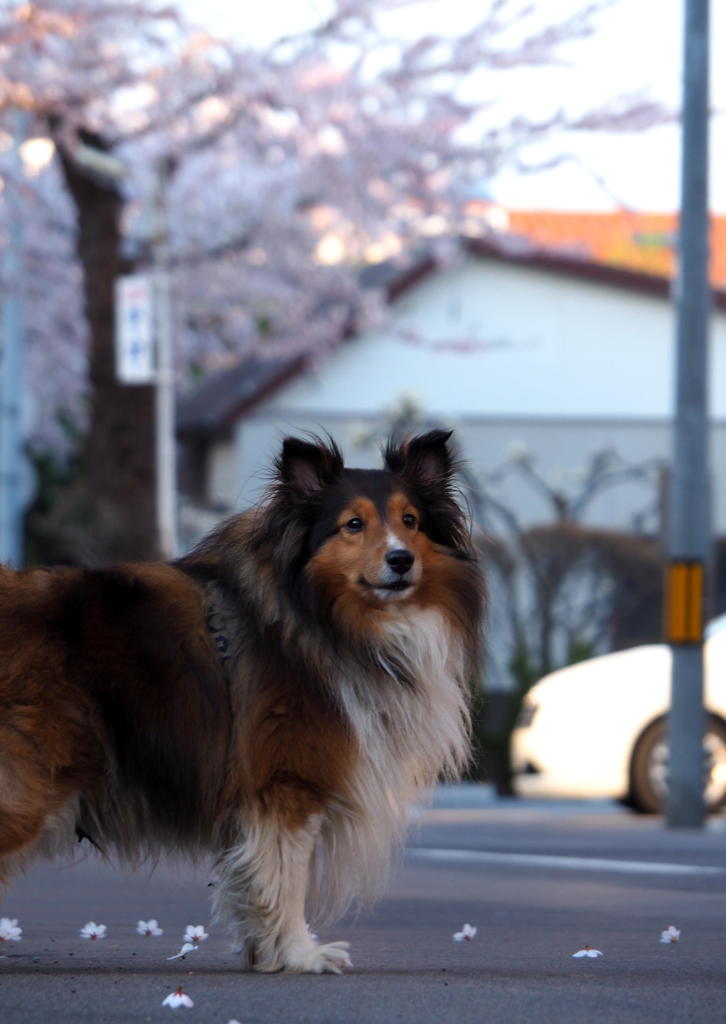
(516, 348)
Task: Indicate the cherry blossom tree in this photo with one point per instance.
(288, 167)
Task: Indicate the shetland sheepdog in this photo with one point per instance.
(276, 699)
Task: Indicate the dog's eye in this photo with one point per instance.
(354, 525)
(408, 520)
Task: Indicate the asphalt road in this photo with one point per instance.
(538, 881)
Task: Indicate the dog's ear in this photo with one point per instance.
(426, 465)
(427, 458)
(308, 466)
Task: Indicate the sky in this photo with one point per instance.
(637, 49)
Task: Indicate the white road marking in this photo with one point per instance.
(537, 860)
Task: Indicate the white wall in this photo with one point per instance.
(563, 366)
(544, 345)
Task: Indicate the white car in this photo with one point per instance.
(597, 728)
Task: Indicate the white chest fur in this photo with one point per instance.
(409, 735)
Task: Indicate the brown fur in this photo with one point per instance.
(281, 689)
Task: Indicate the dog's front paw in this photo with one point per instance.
(330, 958)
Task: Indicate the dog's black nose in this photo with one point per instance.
(400, 560)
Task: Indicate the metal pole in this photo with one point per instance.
(689, 514)
(11, 451)
(165, 440)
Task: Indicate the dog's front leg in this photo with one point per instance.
(262, 890)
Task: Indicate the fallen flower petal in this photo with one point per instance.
(588, 951)
(149, 928)
(93, 931)
(670, 935)
(188, 947)
(177, 998)
(9, 931)
(466, 934)
(195, 933)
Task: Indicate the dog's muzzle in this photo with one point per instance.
(396, 577)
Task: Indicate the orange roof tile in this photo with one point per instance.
(635, 241)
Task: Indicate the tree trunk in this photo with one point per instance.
(116, 495)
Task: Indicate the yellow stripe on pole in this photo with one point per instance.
(684, 602)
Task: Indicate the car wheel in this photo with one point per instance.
(649, 767)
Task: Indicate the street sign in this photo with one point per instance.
(135, 329)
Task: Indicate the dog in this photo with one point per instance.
(277, 698)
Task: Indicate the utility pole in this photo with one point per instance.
(11, 452)
(165, 441)
(689, 541)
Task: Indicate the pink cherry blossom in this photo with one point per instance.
(178, 998)
(149, 927)
(9, 930)
(193, 935)
(188, 947)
